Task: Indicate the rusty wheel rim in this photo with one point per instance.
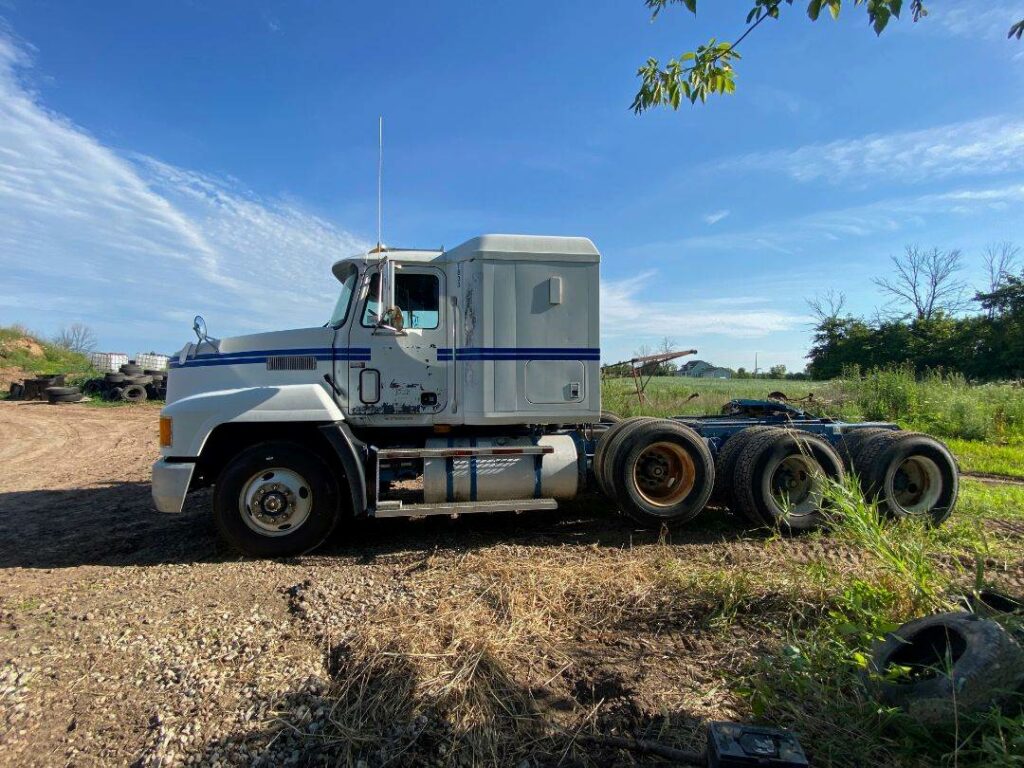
(664, 474)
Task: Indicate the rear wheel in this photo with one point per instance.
(852, 441)
(606, 447)
(780, 477)
(909, 475)
(663, 473)
(275, 499)
(725, 465)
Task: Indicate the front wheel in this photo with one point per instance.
(275, 499)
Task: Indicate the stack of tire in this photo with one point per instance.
(35, 389)
(134, 385)
(59, 395)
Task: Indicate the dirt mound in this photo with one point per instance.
(29, 345)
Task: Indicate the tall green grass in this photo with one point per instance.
(945, 405)
(816, 678)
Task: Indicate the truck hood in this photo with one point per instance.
(248, 361)
(297, 341)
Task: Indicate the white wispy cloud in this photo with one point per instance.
(977, 19)
(628, 311)
(111, 238)
(715, 216)
(988, 146)
(900, 217)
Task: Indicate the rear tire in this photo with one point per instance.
(606, 447)
(779, 479)
(852, 441)
(909, 474)
(663, 473)
(276, 499)
(725, 465)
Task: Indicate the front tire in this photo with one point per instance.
(276, 499)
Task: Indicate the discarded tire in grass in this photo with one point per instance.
(663, 473)
(114, 378)
(940, 668)
(780, 476)
(130, 369)
(908, 474)
(140, 380)
(134, 393)
(991, 604)
(116, 393)
(16, 391)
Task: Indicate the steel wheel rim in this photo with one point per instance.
(275, 502)
(793, 482)
(916, 485)
(664, 474)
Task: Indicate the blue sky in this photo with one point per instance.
(163, 159)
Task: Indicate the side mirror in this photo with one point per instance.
(199, 326)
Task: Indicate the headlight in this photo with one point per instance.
(166, 432)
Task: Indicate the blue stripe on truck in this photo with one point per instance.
(260, 356)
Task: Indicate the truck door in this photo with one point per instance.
(405, 375)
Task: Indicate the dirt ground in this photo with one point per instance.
(131, 637)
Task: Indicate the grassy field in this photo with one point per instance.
(983, 425)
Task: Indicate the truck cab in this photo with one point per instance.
(447, 371)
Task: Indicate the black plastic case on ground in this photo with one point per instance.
(731, 745)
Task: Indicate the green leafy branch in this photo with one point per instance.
(709, 69)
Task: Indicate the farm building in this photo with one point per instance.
(701, 369)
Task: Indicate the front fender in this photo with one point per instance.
(196, 416)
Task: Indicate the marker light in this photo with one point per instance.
(166, 432)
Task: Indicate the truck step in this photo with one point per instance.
(456, 508)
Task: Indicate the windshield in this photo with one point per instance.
(348, 286)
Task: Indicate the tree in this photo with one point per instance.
(777, 372)
(926, 281)
(709, 69)
(1000, 262)
(828, 306)
(76, 337)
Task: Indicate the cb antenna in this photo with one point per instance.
(380, 183)
(383, 314)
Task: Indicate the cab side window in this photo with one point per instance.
(418, 295)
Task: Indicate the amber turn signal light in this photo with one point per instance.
(166, 432)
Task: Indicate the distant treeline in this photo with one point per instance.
(986, 345)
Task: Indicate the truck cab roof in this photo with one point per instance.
(490, 247)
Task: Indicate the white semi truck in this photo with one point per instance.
(468, 380)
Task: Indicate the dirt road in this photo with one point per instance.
(130, 637)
